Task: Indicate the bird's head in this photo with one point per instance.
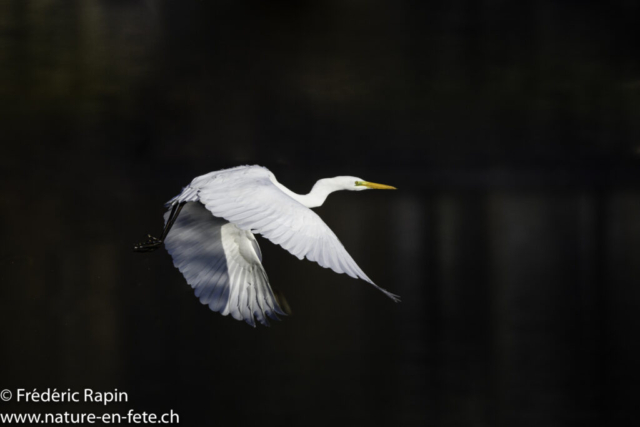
(353, 183)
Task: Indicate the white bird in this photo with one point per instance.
(209, 232)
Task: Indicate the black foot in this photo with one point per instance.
(149, 246)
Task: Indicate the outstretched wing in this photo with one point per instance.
(248, 198)
(222, 263)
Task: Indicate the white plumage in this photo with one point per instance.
(212, 240)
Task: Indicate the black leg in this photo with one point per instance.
(172, 219)
(154, 243)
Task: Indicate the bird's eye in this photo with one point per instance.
(359, 183)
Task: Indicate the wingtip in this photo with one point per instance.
(394, 297)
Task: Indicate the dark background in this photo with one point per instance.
(512, 130)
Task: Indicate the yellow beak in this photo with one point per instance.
(375, 186)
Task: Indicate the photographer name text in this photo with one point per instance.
(56, 396)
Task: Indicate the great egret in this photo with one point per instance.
(210, 226)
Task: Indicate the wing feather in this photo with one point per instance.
(222, 263)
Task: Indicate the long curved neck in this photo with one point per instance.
(315, 198)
